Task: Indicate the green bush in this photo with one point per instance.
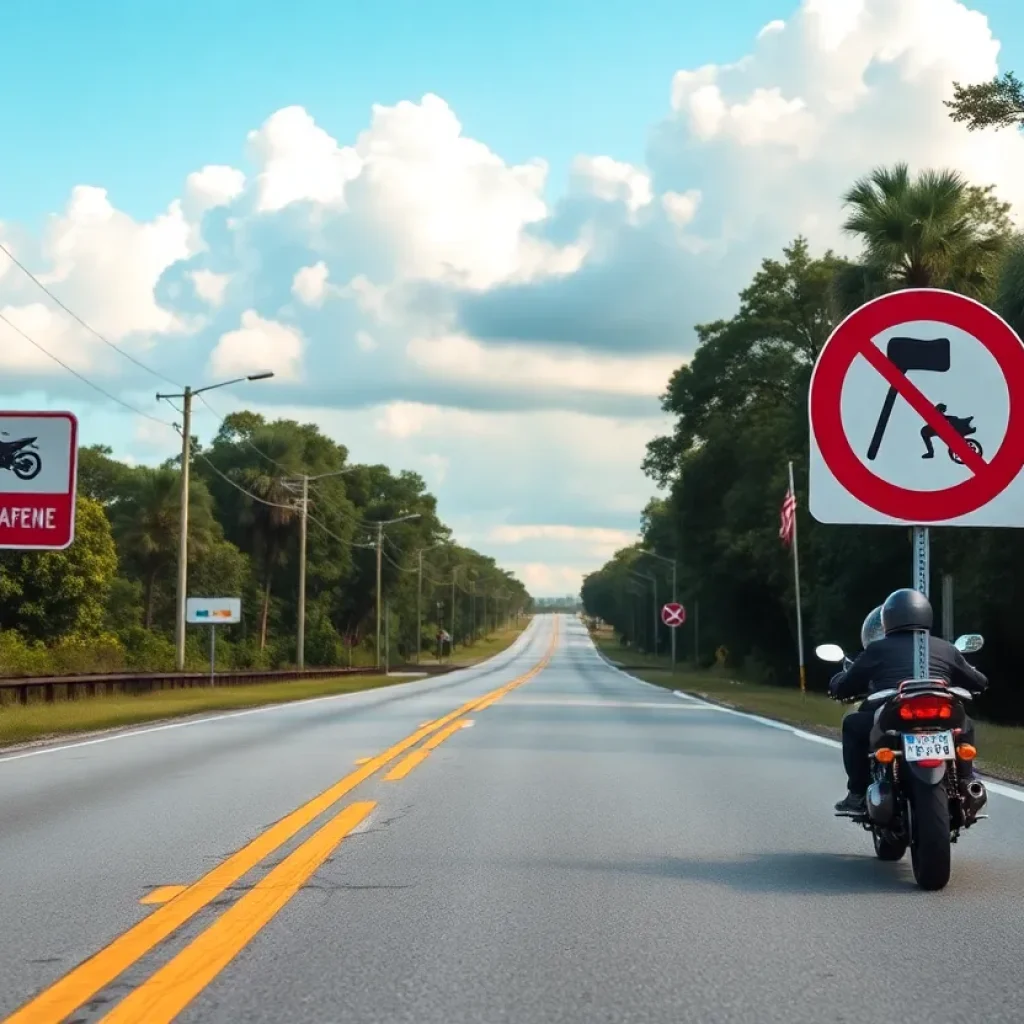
(70, 655)
(20, 657)
(146, 651)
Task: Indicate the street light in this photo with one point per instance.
(186, 457)
(380, 548)
(654, 581)
(674, 564)
(303, 530)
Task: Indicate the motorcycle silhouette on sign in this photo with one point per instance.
(963, 425)
(933, 356)
(20, 457)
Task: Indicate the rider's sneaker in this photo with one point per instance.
(852, 804)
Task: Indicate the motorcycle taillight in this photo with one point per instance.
(926, 707)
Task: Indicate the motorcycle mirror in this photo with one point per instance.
(969, 643)
(829, 652)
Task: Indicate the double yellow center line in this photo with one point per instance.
(166, 993)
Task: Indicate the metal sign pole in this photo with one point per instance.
(213, 650)
(922, 573)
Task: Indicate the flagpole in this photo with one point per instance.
(796, 578)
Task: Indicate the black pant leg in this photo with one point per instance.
(856, 740)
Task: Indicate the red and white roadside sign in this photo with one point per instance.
(673, 614)
(38, 476)
(916, 411)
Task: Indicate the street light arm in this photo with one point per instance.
(266, 375)
(262, 375)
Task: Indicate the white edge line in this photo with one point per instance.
(58, 747)
(992, 785)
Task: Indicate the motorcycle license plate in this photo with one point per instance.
(924, 746)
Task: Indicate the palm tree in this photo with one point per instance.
(930, 231)
(269, 519)
(146, 527)
(146, 522)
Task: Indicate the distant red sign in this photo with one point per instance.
(673, 614)
(38, 476)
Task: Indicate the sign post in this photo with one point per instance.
(38, 478)
(673, 615)
(213, 612)
(902, 376)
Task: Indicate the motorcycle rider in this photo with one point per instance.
(884, 664)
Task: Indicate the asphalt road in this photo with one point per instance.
(592, 849)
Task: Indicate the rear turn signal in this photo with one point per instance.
(885, 756)
(966, 752)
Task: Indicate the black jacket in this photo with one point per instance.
(890, 661)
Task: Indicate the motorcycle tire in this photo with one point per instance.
(930, 846)
(27, 466)
(887, 847)
(973, 445)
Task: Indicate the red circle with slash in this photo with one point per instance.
(673, 614)
(853, 338)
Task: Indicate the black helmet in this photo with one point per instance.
(906, 609)
(872, 629)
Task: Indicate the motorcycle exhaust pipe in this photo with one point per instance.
(977, 795)
(881, 803)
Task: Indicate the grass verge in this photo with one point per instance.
(41, 721)
(23, 723)
(1001, 745)
(486, 647)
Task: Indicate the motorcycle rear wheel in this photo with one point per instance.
(930, 847)
(888, 847)
(27, 465)
(973, 445)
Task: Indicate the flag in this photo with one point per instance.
(788, 518)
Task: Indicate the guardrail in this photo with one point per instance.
(135, 683)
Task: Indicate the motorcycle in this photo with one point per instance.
(964, 426)
(20, 458)
(915, 799)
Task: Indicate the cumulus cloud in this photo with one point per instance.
(210, 287)
(428, 301)
(215, 185)
(259, 345)
(310, 284)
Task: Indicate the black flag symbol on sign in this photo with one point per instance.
(908, 354)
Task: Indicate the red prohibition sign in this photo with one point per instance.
(853, 338)
(673, 614)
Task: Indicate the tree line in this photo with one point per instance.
(108, 601)
(740, 410)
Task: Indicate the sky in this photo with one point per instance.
(470, 241)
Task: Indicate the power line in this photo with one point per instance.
(127, 355)
(70, 312)
(340, 540)
(247, 440)
(396, 565)
(85, 380)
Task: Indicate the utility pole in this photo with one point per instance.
(451, 645)
(186, 397)
(303, 482)
(380, 554)
(419, 600)
(419, 607)
(182, 586)
(380, 546)
(300, 639)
